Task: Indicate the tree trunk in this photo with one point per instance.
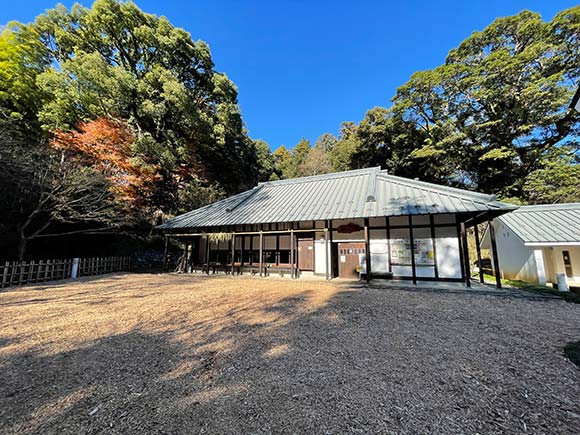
(22, 241)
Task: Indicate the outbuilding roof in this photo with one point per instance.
(353, 194)
(545, 224)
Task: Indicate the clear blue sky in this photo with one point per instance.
(303, 67)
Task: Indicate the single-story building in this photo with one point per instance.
(327, 224)
(537, 242)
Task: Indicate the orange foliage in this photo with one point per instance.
(105, 144)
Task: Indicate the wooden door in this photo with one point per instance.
(348, 258)
(305, 254)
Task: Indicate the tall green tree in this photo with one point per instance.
(115, 60)
(498, 106)
(558, 179)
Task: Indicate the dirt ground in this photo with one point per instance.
(171, 354)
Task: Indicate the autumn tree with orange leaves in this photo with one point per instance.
(105, 144)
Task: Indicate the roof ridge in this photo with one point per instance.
(425, 185)
(559, 206)
(328, 176)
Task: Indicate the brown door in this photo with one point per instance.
(305, 254)
(348, 258)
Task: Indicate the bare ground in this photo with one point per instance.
(180, 354)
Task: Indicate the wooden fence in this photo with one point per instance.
(27, 272)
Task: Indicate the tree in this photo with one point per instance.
(46, 196)
(317, 162)
(106, 145)
(123, 102)
(299, 156)
(557, 181)
(266, 161)
(345, 147)
(497, 106)
(326, 142)
(114, 60)
(282, 162)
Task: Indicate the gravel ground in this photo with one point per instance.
(171, 354)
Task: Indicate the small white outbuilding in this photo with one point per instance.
(539, 242)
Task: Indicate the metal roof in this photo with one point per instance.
(544, 224)
(353, 194)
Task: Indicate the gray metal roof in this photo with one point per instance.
(555, 223)
(343, 195)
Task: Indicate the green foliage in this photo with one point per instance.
(196, 194)
(558, 179)
(494, 117)
(265, 161)
(498, 104)
(114, 60)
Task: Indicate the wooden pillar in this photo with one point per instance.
(330, 262)
(242, 250)
(387, 223)
(494, 255)
(412, 242)
(261, 252)
(478, 250)
(327, 250)
(465, 250)
(207, 248)
(292, 253)
(185, 252)
(367, 250)
(434, 241)
(165, 255)
(251, 249)
(233, 251)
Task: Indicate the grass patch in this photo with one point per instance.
(572, 351)
(537, 288)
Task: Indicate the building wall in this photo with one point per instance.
(516, 261)
(445, 242)
(556, 262)
(320, 254)
(397, 260)
(448, 257)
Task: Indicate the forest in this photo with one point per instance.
(113, 120)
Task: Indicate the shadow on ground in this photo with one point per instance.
(572, 351)
(365, 360)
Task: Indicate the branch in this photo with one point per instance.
(87, 231)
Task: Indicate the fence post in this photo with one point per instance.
(5, 274)
(29, 277)
(75, 268)
(21, 276)
(38, 271)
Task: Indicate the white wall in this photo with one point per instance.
(379, 256)
(516, 261)
(320, 255)
(448, 257)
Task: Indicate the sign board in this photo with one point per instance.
(348, 228)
